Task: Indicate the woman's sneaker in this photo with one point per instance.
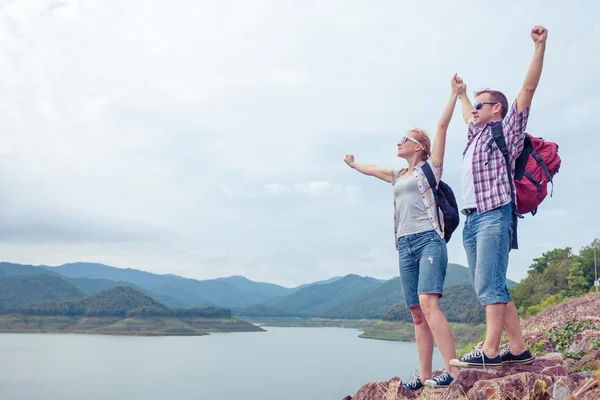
(443, 380)
(415, 384)
(509, 358)
(477, 359)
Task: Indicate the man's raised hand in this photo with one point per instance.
(539, 35)
(457, 85)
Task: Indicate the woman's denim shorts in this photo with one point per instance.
(423, 261)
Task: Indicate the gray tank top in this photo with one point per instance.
(410, 211)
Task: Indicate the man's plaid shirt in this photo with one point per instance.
(492, 187)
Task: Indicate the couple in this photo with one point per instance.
(487, 205)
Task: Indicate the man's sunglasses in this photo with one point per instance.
(478, 106)
(405, 138)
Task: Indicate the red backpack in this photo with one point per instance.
(534, 169)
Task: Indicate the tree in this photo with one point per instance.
(541, 263)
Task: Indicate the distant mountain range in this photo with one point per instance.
(351, 296)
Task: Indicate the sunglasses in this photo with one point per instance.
(478, 106)
(405, 138)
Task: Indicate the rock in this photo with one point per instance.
(516, 386)
(588, 389)
(577, 378)
(347, 398)
(561, 388)
(391, 389)
(584, 341)
(587, 361)
(467, 377)
(579, 309)
(538, 339)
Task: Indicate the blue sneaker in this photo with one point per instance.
(415, 384)
(443, 380)
(477, 359)
(524, 358)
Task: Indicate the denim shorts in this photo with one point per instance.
(423, 259)
(487, 239)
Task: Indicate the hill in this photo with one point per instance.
(120, 301)
(94, 286)
(17, 291)
(119, 310)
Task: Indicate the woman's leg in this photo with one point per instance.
(440, 328)
(424, 340)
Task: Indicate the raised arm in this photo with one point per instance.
(384, 174)
(465, 103)
(467, 107)
(439, 144)
(539, 35)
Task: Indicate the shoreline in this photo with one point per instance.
(396, 331)
(132, 326)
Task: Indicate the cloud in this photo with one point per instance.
(164, 136)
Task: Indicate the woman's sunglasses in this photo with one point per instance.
(405, 138)
(478, 106)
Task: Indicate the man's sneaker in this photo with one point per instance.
(443, 380)
(477, 359)
(509, 358)
(415, 384)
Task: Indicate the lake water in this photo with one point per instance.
(282, 363)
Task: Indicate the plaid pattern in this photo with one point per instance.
(492, 187)
(426, 195)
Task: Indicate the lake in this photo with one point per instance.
(282, 363)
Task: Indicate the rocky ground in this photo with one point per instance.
(566, 339)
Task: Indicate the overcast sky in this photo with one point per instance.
(207, 138)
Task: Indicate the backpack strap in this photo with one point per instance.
(434, 186)
(500, 140)
(542, 165)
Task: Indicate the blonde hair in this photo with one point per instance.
(422, 137)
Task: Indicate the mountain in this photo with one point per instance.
(315, 300)
(457, 274)
(371, 303)
(330, 280)
(254, 289)
(10, 269)
(351, 296)
(17, 291)
(188, 291)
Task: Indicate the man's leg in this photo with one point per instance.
(512, 324)
(489, 238)
(494, 319)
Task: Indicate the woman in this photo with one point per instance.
(423, 256)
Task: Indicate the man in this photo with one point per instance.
(490, 215)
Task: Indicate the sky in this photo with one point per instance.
(207, 138)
